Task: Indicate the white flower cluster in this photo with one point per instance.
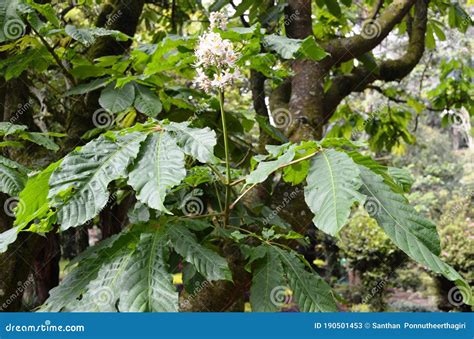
(216, 58)
(218, 20)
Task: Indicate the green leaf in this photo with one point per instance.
(275, 133)
(268, 283)
(207, 262)
(88, 172)
(91, 261)
(40, 139)
(333, 7)
(311, 49)
(89, 87)
(285, 47)
(147, 102)
(402, 177)
(196, 142)
(12, 181)
(116, 100)
(333, 181)
(265, 168)
(34, 197)
(147, 285)
(7, 238)
(87, 36)
(7, 128)
(310, 291)
(399, 220)
(413, 234)
(102, 293)
(159, 168)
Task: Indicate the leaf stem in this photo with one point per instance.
(227, 160)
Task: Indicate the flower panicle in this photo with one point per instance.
(215, 57)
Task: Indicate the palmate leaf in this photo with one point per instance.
(88, 172)
(147, 285)
(74, 285)
(160, 166)
(207, 262)
(310, 291)
(196, 142)
(413, 234)
(332, 189)
(102, 293)
(267, 279)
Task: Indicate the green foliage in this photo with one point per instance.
(332, 190)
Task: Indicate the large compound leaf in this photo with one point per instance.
(87, 173)
(75, 284)
(196, 142)
(102, 293)
(160, 167)
(413, 234)
(268, 283)
(333, 183)
(147, 285)
(310, 291)
(207, 262)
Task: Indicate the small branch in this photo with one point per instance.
(309, 156)
(51, 51)
(202, 216)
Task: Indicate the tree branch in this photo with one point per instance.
(389, 70)
(346, 49)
